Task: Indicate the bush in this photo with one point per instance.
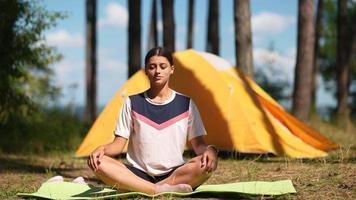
(46, 131)
(27, 124)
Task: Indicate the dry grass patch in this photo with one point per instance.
(332, 177)
(329, 178)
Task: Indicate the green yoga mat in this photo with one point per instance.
(68, 190)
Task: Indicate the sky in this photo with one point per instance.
(274, 26)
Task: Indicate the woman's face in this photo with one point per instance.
(158, 70)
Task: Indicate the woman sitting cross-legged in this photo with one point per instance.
(157, 123)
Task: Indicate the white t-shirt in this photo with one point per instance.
(158, 133)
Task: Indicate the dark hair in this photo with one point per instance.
(159, 51)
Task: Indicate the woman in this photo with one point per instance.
(157, 123)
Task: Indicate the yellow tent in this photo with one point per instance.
(238, 115)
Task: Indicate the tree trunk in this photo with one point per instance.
(243, 36)
(168, 25)
(304, 67)
(190, 24)
(90, 69)
(213, 27)
(343, 64)
(134, 44)
(153, 36)
(318, 31)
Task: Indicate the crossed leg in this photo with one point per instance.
(190, 173)
(114, 173)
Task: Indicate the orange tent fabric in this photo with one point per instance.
(238, 115)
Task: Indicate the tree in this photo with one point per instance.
(318, 31)
(90, 69)
(27, 88)
(168, 24)
(190, 24)
(343, 64)
(328, 50)
(304, 67)
(134, 35)
(352, 60)
(243, 36)
(153, 35)
(213, 27)
(25, 76)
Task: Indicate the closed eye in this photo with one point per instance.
(163, 66)
(152, 66)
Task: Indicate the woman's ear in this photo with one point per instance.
(172, 67)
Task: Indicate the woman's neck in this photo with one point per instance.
(159, 93)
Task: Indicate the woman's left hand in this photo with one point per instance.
(209, 160)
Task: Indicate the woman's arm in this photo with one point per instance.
(112, 149)
(115, 148)
(198, 145)
(208, 152)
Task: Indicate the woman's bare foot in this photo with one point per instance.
(173, 188)
(55, 179)
(79, 180)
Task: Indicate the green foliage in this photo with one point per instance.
(328, 44)
(25, 76)
(47, 130)
(27, 122)
(328, 49)
(353, 63)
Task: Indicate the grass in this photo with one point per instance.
(332, 177)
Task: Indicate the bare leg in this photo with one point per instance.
(191, 173)
(116, 174)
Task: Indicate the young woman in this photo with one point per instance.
(157, 123)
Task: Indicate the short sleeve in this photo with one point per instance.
(124, 122)
(195, 124)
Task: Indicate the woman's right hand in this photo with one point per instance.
(95, 157)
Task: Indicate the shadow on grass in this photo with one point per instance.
(234, 155)
(24, 165)
(271, 158)
(20, 164)
(351, 160)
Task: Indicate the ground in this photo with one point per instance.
(332, 177)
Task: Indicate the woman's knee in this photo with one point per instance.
(196, 167)
(104, 163)
(203, 168)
